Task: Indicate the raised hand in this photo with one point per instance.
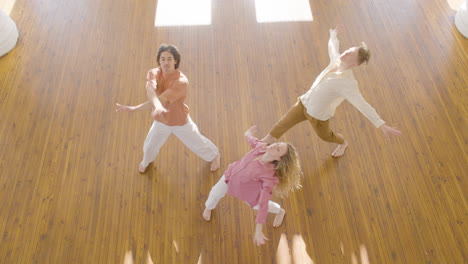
(251, 131)
(339, 29)
(151, 76)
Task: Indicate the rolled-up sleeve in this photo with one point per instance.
(151, 77)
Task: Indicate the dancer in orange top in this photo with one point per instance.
(166, 89)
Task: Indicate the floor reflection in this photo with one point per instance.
(296, 255)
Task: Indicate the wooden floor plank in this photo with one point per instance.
(70, 191)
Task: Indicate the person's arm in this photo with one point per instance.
(171, 94)
(250, 136)
(268, 183)
(351, 92)
(265, 195)
(259, 237)
(151, 86)
(334, 43)
(128, 108)
(354, 96)
(157, 102)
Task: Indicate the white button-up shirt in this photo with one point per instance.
(330, 89)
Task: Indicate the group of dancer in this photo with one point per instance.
(268, 168)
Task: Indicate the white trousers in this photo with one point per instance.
(188, 134)
(220, 189)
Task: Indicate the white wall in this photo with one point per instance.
(461, 19)
(8, 33)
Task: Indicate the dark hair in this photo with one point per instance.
(171, 49)
(363, 54)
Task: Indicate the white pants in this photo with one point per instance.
(188, 134)
(220, 189)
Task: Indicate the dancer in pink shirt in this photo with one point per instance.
(264, 170)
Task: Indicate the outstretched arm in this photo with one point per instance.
(128, 108)
(334, 43)
(355, 97)
(368, 111)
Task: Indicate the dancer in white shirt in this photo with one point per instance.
(334, 84)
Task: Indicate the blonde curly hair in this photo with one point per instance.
(289, 172)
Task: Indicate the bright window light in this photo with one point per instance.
(7, 5)
(455, 4)
(282, 10)
(183, 13)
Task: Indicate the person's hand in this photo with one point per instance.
(389, 131)
(259, 238)
(151, 76)
(338, 30)
(251, 131)
(124, 108)
(157, 111)
(152, 83)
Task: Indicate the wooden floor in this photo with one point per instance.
(69, 187)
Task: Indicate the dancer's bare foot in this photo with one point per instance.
(207, 215)
(268, 139)
(340, 150)
(215, 163)
(141, 169)
(279, 218)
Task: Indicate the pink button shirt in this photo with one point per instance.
(251, 180)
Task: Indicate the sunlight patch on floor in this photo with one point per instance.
(455, 4)
(7, 6)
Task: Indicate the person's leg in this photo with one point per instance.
(275, 208)
(217, 192)
(323, 130)
(156, 137)
(294, 115)
(199, 144)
